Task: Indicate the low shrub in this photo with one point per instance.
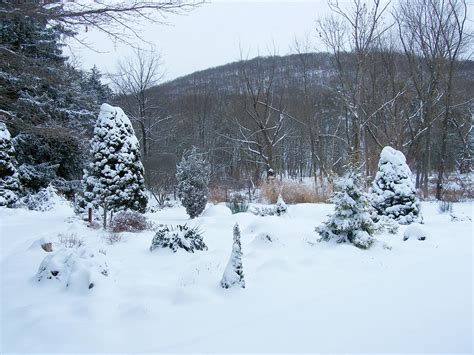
(238, 203)
(129, 221)
(278, 209)
(179, 237)
(112, 238)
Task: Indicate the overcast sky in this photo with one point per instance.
(211, 35)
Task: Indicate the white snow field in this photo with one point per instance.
(300, 296)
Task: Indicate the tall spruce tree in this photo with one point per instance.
(234, 272)
(393, 192)
(114, 180)
(193, 174)
(351, 221)
(9, 182)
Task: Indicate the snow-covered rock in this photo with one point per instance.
(414, 231)
(75, 268)
(220, 210)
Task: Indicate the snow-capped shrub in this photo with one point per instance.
(129, 221)
(76, 268)
(385, 223)
(278, 209)
(393, 192)
(70, 240)
(9, 179)
(351, 221)
(460, 217)
(414, 231)
(114, 179)
(238, 204)
(234, 272)
(179, 237)
(193, 174)
(44, 200)
(36, 177)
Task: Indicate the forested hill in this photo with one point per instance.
(293, 114)
(225, 77)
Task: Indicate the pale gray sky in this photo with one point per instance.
(211, 34)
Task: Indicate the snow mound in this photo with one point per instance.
(414, 231)
(264, 240)
(78, 269)
(220, 210)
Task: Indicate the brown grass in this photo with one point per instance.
(217, 194)
(293, 192)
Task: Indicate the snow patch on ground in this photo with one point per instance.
(299, 297)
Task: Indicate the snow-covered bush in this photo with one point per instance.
(9, 179)
(193, 174)
(114, 179)
(393, 192)
(129, 221)
(76, 268)
(112, 238)
(234, 272)
(278, 209)
(44, 200)
(352, 221)
(385, 223)
(179, 237)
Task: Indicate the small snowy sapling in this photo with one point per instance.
(234, 272)
(351, 221)
(193, 174)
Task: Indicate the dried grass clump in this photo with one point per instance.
(70, 240)
(217, 194)
(293, 192)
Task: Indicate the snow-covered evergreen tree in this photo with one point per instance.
(9, 181)
(280, 208)
(393, 192)
(351, 221)
(114, 179)
(234, 272)
(193, 174)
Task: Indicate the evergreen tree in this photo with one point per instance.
(193, 174)
(280, 208)
(351, 221)
(9, 182)
(234, 272)
(114, 180)
(393, 192)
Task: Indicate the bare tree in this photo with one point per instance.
(117, 18)
(354, 30)
(432, 36)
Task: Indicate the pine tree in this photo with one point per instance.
(114, 180)
(351, 221)
(9, 182)
(193, 174)
(393, 192)
(280, 208)
(234, 272)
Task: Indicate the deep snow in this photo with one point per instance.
(300, 295)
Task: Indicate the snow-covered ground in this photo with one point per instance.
(300, 296)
